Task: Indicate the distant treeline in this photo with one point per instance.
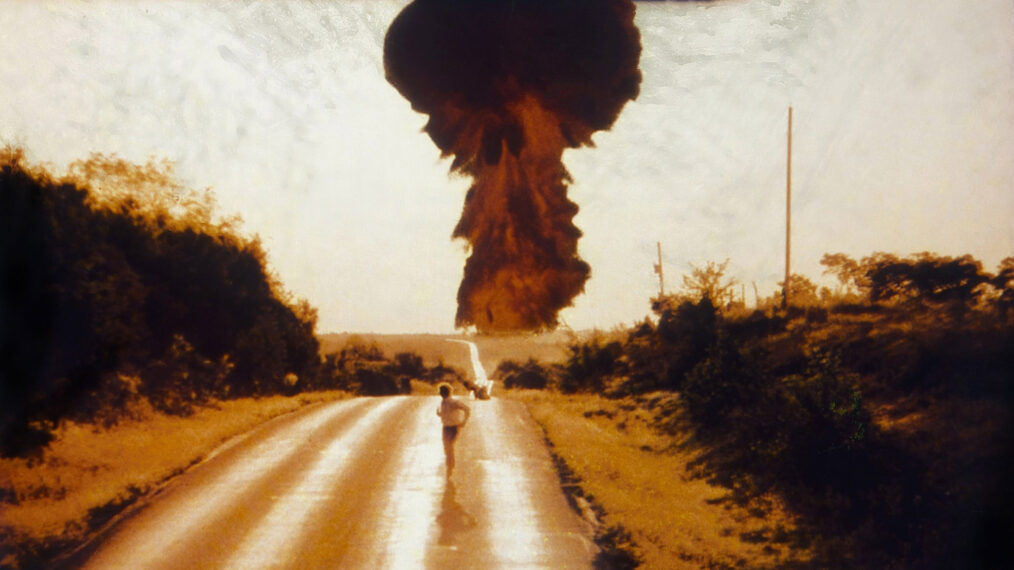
(878, 410)
(120, 288)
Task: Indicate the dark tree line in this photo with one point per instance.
(783, 400)
(364, 369)
(924, 277)
(117, 284)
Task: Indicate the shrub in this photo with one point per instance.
(926, 277)
(686, 332)
(182, 377)
(757, 324)
(408, 364)
(727, 381)
(105, 277)
(589, 365)
(375, 381)
(443, 373)
(642, 363)
(824, 425)
(530, 375)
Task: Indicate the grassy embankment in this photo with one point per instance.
(88, 474)
(642, 482)
(920, 482)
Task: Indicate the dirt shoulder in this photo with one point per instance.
(647, 498)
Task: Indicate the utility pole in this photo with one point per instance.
(788, 214)
(658, 269)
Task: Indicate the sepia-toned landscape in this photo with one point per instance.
(690, 328)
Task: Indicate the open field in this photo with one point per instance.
(89, 474)
(548, 347)
(643, 483)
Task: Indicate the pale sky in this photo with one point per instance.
(903, 140)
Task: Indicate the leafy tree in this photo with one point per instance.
(847, 270)
(151, 194)
(355, 349)
(710, 282)
(365, 369)
(118, 272)
(927, 277)
(802, 291)
(589, 365)
(1004, 283)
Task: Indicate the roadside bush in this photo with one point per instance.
(806, 429)
(776, 403)
(443, 373)
(589, 365)
(642, 364)
(182, 377)
(375, 381)
(117, 271)
(686, 331)
(408, 364)
(824, 426)
(756, 325)
(726, 383)
(530, 375)
(364, 369)
(115, 398)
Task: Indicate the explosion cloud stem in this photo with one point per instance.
(508, 85)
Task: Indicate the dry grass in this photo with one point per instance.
(88, 473)
(642, 481)
(548, 347)
(432, 348)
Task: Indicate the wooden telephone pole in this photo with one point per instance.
(658, 269)
(788, 214)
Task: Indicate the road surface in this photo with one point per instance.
(479, 373)
(361, 484)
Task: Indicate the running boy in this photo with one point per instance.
(453, 415)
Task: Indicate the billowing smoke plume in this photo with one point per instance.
(508, 85)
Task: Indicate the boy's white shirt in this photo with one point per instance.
(447, 409)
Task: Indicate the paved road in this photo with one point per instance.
(478, 372)
(361, 484)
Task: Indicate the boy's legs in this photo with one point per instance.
(450, 434)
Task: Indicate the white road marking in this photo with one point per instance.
(271, 543)
(175, 524)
